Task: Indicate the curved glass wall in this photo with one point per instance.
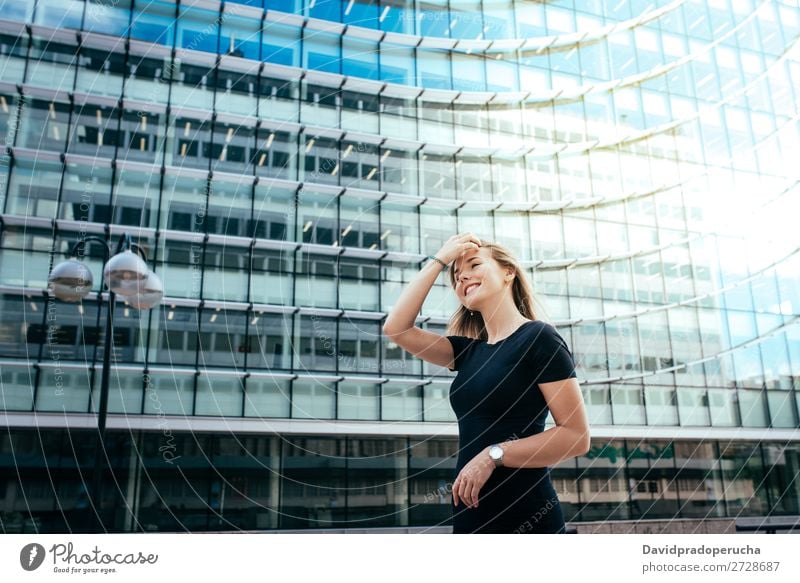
(287, 177)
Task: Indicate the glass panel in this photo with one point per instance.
(174, 335)
(148, 80)
(783, 463)
(358, 165)
(437, 403)
(433, 69)
(229, 209)
(781, 408)
(240, 37)
(320, 162)
(401, 229)
(85, 193)
(60, 13)
(752, 408)
(271, 277)
(700, 486)
(197, 29)
(101, 72)
(281, 44)
(398, 64)
(267, 398)
(154, 21)
(63, 390)
(247, 498)
(313, 487)
(358, 401)
(219, 396)
(125, 392)
(693, 405)
(184, 204)
(168, 393)
(661, 406)
(142, 135)
(43, 125)
(51, 65)
(313, 400)
(275, 156)
(135, 197)
(321, 51)
(187, 497)
(223, 340)
(437, 225)
(193, 88)
(110, 19)
(358, 346)
(188, 142)
(377, 482)
(316, 280)
(279, 99)
(627, 404)
(270, 342)
(359, 58)
(598, 404)
(315, 347)
(16, 389)
(602, 482)
(743, 475)
(401, 402)
(225, 273)
(358, 284)
(722, 404)
(432, 464)
(652, 489)
(233, 146)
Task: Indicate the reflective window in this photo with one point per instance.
(44, 125)
(358, 401)
(266, 397)
(33, 188)
(153, 21)
(100, 72)
(224, 273)
(314, 348)
(219, 395)
(270, 347)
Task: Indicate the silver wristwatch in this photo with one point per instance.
(496, 455)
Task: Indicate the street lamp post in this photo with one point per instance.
(125, 274)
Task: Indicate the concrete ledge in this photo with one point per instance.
(672, 526)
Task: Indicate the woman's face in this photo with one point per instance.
(480, 281)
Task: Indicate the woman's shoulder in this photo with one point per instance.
(539, 331)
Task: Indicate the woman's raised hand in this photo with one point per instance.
(457, 245)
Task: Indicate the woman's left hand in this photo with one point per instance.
(471, 479)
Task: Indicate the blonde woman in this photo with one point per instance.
(512, 369)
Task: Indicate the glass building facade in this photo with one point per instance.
(288, 164)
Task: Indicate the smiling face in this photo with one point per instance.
(480, 280)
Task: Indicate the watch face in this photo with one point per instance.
(496, 452)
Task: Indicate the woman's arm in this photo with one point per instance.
(400, 323)
(569, 438)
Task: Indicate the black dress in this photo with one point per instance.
(496, 398)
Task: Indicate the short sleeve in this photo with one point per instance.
(460, 346)
(550, 356)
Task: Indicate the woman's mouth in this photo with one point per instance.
(470, 288)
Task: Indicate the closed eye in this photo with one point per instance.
(471, 262)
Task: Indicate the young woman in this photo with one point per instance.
(511, 368)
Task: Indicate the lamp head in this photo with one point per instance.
(70, 281)
(124, 273)
(149, 293)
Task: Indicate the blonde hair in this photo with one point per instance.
(463, 324)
